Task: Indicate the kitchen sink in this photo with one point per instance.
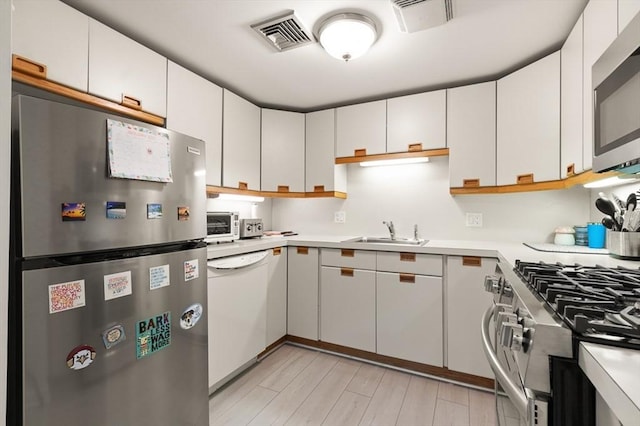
(387, 240)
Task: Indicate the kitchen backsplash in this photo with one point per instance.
(419, 194)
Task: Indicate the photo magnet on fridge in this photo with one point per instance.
(72, 212)
(183, 213)
(116, 210)
(154, 211)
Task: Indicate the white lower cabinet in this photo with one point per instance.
(409, 317)
(302, 293)
(348, 307)
(466, 302)
(277, 294)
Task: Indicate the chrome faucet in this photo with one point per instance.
(392, 230)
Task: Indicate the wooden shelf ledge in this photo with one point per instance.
(213, 191)
(394, 156)
(571, 181)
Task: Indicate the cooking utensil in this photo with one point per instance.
(609, 223)
(632, 220)
(618, 203)
(632, 202)
(606, 206)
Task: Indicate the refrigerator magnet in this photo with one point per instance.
(191, 316)
(81, 357)
(116, 210)
(159, 277)
(65, 296)
(117, 285)
(113, 335)
(154, 211)
(191, 270)
(183, 213)
(74, 212)
(153, 334)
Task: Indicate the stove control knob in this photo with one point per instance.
(503, 307)
(507, 291)
(507, 318)
(491, 284)
(511, 336)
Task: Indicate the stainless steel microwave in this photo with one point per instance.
(616, 102)
(222, 227)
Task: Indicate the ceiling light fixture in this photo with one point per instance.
(347, 36)
(394, 162)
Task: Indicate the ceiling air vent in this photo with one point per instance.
(418, 15)
(284, 32)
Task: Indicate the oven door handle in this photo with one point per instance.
(516, 394)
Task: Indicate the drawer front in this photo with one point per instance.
(349, 258)
(414, 263)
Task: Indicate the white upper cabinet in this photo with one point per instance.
(471, 134)
(55, 35)
(600, 29)
(124, 71)
(417, 122)
(627, 9)
(241, 143)
(571, 138)
(282, 151)
(528, 123)
(194, 107)
(361, 127)
(322, 174)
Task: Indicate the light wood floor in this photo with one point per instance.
(298, 386)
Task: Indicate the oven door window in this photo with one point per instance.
(218, 225)
(617, 106)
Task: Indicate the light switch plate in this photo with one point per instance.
(474, 220)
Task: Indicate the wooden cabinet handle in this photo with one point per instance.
(471, 261)
(346, 272)
(318, 188)
(471, 183)
(413, 147)
(277, 251)
(407, 257)
(283, 188)
(243, 185)
(524, 179)
(27, 66)
(407, 278)
(359, 152)
(347, 252)
(131, 102)
(571, 169)
(302, 250)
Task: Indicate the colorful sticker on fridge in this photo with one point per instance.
(191, 316)
(117, 285)
(153, 334)
(73, 212)
(154, 211)
(81, 357)
(158, 277)
(116, 210)
(191, 270)
(183, 213)
(65, 296)
(113, 335)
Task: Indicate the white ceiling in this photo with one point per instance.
(485, 39)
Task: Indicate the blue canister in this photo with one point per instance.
(596, 234)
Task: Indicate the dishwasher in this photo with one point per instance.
(237, 298)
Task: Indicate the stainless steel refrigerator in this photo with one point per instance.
(108, 285)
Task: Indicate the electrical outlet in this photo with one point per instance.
(474, 220)
(340, 216)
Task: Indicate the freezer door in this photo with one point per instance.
(63, 159)
(102, 348)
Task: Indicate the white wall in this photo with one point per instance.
(419, 194)
(5, 150)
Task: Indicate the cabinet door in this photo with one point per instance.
(53, 34)
(120, 67)
(240, 143)
(321, 172)
(277, 295)
(471, 135)
(194, 107)
(571, 103)
(466, 301)
(302, 297)
(282, 151)
(627, 10)
(348, 307)
(417, 122)
(409, 317)
(528, 117)
(600, 29)
(361, 127)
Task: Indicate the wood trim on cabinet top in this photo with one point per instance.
(393, 156)
(214, 191)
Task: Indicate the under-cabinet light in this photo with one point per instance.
(394, 162)
(239, 197)
(612, 181)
